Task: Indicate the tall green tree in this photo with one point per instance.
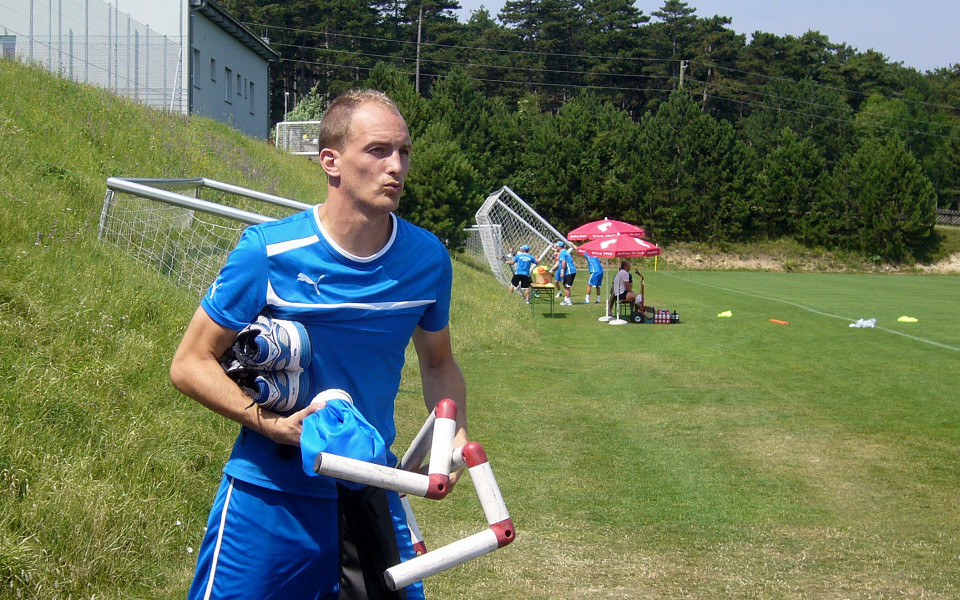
(441, 193)
(425, 30)
(611, 35)
(567, 159)
(458, 102)
(711, 62)
(789, 187)
(879, 203)
(699, 174)
(808, 108)
(549, 32)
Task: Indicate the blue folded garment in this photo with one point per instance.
(339, 428)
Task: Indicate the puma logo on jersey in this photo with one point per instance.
(315, 284)
(214, 288)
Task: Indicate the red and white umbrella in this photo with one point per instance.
(621, 246)
(605, 228)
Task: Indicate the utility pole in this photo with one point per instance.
(419, 30)
(683, 67)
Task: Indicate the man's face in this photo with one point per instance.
(374, 163)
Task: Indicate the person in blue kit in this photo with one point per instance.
(363, 283)
(524, 261)
(557, 277)
(596, 276)
(566, 272)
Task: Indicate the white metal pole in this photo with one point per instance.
(441, 559)
(419, 448)
(444, 430)
(418, 546)
(359, 471)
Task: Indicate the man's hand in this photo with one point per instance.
(284, 430)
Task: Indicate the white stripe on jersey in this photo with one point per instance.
(274, 300)
(273, 249)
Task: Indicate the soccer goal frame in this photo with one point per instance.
(504, 223)
(299, 137)
(165, 223)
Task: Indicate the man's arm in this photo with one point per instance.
(442, 378)
(197, 373)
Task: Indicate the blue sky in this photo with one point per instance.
(919, 33)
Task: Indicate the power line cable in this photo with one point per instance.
(477, 65)
(828, 118)
(845, 108)
(488, 80)
(822, 85)
(470, 48)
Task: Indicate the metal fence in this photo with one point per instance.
(90, 41)
(948, 217)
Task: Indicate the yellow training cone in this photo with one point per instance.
(906, 319)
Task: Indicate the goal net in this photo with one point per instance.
(504, 223)
(165, 224)
(299, 137)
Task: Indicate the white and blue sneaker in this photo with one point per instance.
(273, 345)
(282, 392)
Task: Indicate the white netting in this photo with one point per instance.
(504, 223)
(299, 137)
(189, 246)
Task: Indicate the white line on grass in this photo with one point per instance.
(813, 310)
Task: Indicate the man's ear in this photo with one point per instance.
(330, 162)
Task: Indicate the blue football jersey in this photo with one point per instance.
(359, 312)
(593, 263)
(569, 268)
(524, 261)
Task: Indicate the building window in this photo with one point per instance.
(239, 85)
(250, 99)
(196, 65)
(228, 82)
(213, 69)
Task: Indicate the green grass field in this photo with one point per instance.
(730, 457)
(720, 458)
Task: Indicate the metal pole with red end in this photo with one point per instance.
(439, 430)
(415, 536)
(435, 484)
(499, 534)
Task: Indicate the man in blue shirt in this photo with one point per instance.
(566, 272)
(524, 261)
(362, 282)
(596, 275)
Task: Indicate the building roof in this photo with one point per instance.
(228, 23)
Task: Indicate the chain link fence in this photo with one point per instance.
(90, 41)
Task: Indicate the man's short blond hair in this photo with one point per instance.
(335, 125)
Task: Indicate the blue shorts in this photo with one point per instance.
(596, 278)
(263, 544)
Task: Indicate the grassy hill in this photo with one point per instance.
(722, 458)
(106, 472)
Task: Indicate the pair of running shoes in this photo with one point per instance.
(268, 361)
